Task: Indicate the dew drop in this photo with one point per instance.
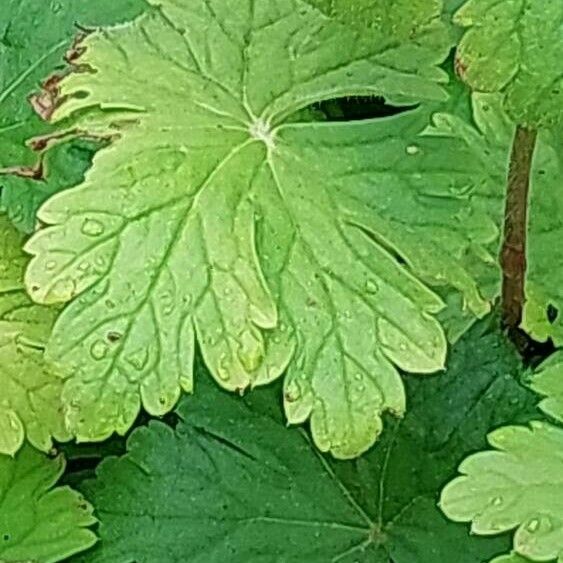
(100, 262)
(292, 392)
(250, 352)
(250, 359)
(223, 373)
(372, 287)
(92, 228)
(533, 525)
(99, 350)
(63, 290)
(497, 501)
(412, 150)
(547, 524)
(138, 359)
(50, 265)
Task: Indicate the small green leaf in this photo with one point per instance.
(39, 522)
(30, 404)
(232, 483)
(516, 485)
(548, 382)
(515, 47)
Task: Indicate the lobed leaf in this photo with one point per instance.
(516, 485)
(276, 243)
(39, 522)
(31, 390)
(515, 47)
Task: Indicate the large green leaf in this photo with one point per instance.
(515, 47)
(39, 522)
(277, 243)
(516, 485)
(34, 35)
(30, 404)
(232, 483)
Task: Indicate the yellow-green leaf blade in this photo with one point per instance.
(31, 390)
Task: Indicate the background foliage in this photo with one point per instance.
(179, 221)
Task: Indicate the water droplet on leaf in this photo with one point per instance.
(292, 392)
(138, 359)
(372, 287)
(92, 228)
(99, 350)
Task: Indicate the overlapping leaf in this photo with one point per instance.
(276, 242)
(30, 403)
(517, 485)
(489, 140)
(510, 558)
(515, 47)
(231, 483)
(419, 23)
(39, 522)
(544, 309)
(548, 382)
(34, 35)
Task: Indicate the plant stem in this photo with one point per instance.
(513, 254)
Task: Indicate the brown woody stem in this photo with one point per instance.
(513, 254)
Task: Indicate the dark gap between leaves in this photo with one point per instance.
(357, 108)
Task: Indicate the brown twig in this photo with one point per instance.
(513, 254)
